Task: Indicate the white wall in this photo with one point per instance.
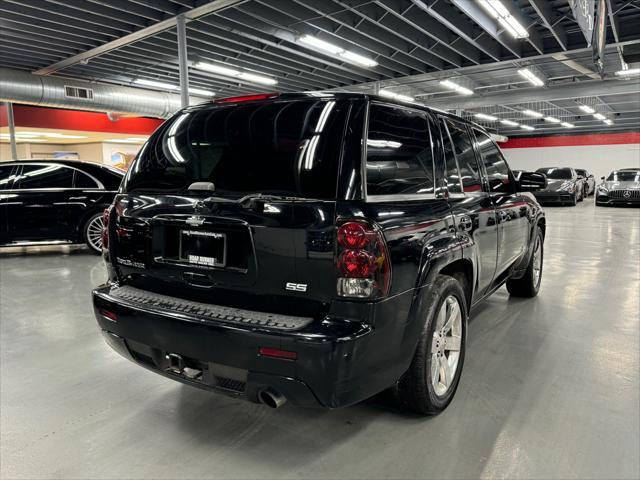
(599, 160)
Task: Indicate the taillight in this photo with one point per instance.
(105, 228)
(362, 261)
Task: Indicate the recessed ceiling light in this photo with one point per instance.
(509, 122)
(532, 113)
(458, 88)
(484, 116)
(586, 109)
(599, 116)
(498, 11)
(526, 127)
(552, 119)
(531, 77)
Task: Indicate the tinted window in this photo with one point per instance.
(282, 147)
(582, 173)
(399, 154)
(556, 173)
(494, 164)
(628, 176)
(467, 164)
(83, 180)
(45, 176)
(452, 174)
(5, 176)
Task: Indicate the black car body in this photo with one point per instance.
(564, 187)
(589, 181)
(272, 249)
(54, 201)
(621, 187)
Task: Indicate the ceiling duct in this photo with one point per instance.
(23, 87)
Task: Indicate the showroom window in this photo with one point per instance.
(399, 153)
(494, 164)
(44, 176)
(467, 163)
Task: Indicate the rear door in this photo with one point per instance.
(39, 207)
(472, 207)
(513, 212)
(7, 174)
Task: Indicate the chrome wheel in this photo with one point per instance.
(537, 262)
(446, 345)
(94, 233)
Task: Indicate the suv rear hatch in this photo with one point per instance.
(234, 204)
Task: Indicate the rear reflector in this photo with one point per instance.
(109, 315)
(276, 353)
(247, 98)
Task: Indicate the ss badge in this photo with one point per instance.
(296, 287)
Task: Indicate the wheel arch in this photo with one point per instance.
(461, 270)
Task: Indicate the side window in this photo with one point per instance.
(399, 154)
(494, 164)
(82, 180)
(452, 173)
(467, 164)
(5, 176)
(44, 176)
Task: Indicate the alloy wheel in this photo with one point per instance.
(537, 262)
(94, 233)
(446, 345)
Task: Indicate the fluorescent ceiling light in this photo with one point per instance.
(200, 91)
(232, 72)
(586, 109)
(497, 10)
(336, 50)
(395, 96)
(608, 122)
(509, 122)
(567, 125)
(153, 83)
(484, 116)
(526, 127)
(628, 72)
(533, 113)
(599, 116)
(458, 88)
(552, 120)
(531, 77)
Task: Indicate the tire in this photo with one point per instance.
(92, 227)
(529, 285)
(581, 197)
(574, 201)
(416, 391)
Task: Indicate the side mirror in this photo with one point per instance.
(531, 181)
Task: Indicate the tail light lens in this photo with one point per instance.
(105, 228)
(362, 261)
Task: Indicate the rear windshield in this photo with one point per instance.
(556, 173)
(282, 147)
(629, 176)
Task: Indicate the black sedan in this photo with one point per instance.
(564, 186)
(55, 201)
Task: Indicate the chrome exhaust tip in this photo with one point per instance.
(271, 398)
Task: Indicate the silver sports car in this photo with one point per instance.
(621, 187)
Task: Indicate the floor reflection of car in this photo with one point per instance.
(589, 181)
(564, 186)
(54, 201)
(621, 187)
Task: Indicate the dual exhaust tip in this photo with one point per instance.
(271, 398)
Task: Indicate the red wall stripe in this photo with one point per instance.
(60, 119)
(573, 140)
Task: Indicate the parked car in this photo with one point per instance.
(589, 181)
(54, 201)
(564, 186)
(268, 248)
(621, 187)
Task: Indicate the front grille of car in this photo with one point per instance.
(622, 194)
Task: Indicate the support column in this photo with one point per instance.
(12, 131)
(182, 60)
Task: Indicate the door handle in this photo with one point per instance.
(465, 224)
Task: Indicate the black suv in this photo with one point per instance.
(317, 248)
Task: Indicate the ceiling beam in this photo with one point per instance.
(524, 95)
(545, 12)
(192, 14)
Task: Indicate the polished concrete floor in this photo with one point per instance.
(550, 387)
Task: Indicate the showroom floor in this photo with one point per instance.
(550, 387)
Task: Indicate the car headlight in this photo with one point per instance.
(602, 189)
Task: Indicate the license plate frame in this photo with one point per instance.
(193, 249)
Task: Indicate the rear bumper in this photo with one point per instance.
(341, 360)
